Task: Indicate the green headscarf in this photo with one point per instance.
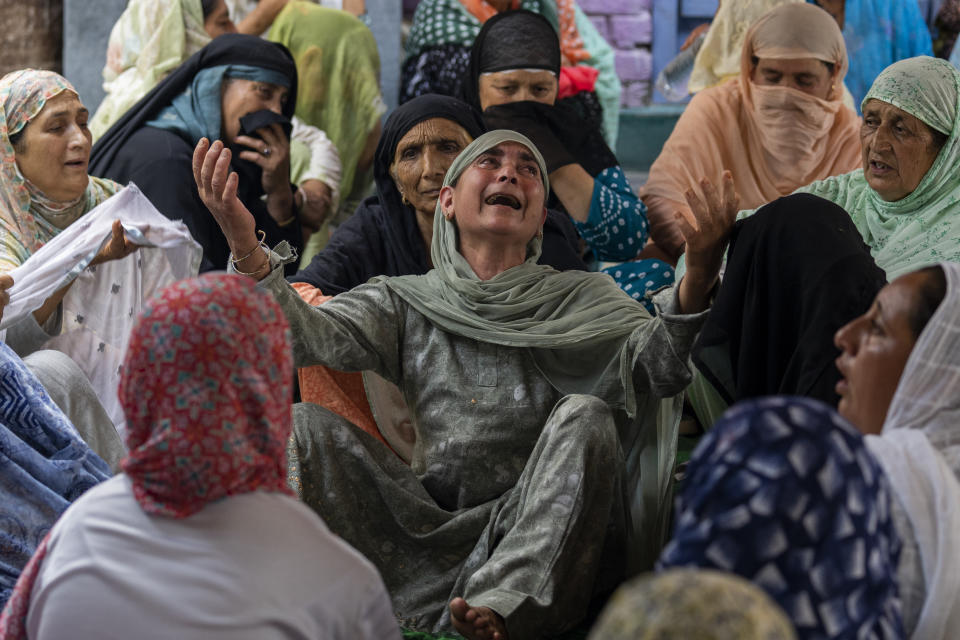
(578, 324)
(584, 333)
(924, 227)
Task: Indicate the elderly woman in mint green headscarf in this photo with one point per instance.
(525, 386)
(905, 200)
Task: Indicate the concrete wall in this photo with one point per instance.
(86, 29)
(31, 35)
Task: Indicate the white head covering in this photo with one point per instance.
(919, 449)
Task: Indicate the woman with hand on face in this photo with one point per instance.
(513, 79)
(154, 37)
(233, 77)
(483, 347)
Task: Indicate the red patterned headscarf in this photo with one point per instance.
(206, 389)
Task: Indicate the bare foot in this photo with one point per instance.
(476, 623)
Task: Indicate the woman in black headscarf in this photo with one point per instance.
(390, 233)
(241, 89)
(796, 272)
(513, 79)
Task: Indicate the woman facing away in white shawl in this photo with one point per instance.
(901, 386)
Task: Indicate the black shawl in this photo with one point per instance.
(526, 40)
(797, 271)
(382, 237)
(160, 161)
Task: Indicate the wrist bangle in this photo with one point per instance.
(255, 272)
(261, 244)
(288, 221)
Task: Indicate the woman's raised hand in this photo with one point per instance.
(714, 215)
(218, 190)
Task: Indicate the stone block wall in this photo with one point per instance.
(628, 26)
(31, 36)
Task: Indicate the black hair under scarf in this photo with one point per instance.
(231, 48)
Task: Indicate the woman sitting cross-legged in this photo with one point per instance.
(511, 515)
(837, 527)
(199, 537)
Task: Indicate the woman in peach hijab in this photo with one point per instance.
(781, 126)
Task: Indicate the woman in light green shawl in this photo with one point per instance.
(520, 380)
(905, 201)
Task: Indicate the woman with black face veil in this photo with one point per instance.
(514, 66)
(207, 96)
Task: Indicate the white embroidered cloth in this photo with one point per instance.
(104, 301)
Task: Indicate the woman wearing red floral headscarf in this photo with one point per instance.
(199, 534)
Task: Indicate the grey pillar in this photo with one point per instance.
(86, 29)
(385, 18)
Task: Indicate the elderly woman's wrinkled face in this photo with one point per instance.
(809, 75)
(422, 158)
(218, 22)
(500, 197)
(897, 148)
(517, 85)
(240, 97)
(54, 151)
(874, 351)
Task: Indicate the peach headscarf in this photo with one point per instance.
(773, 139)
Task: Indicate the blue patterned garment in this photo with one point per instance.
(616, 230)
(877, 34)
(44, 466)
(783, 492)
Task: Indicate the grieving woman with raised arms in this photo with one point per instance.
(507, 366)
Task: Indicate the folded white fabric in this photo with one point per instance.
(104, 301)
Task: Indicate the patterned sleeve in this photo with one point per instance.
(616, 228)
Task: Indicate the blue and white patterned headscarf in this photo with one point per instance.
(783, 492)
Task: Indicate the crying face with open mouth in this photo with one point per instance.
(500, 194)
